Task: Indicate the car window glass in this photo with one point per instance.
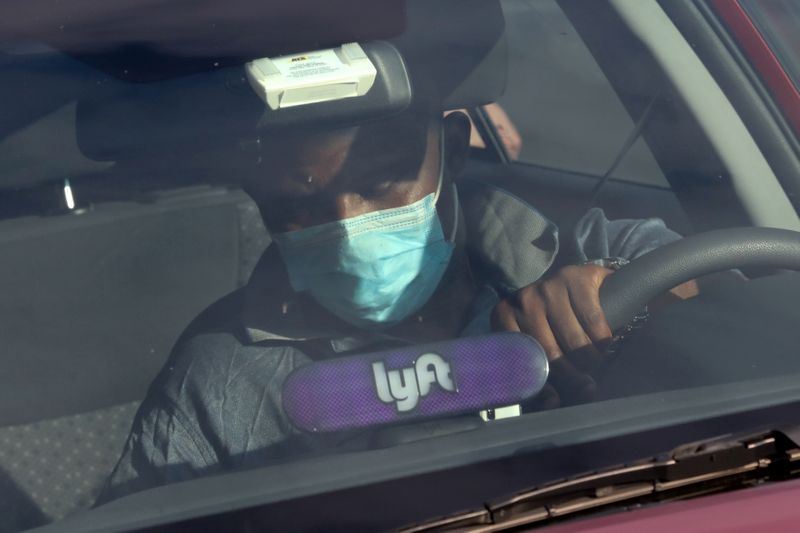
(565, 110)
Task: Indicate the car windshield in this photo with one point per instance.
(245, 235)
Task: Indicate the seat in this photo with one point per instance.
(91, 307)
(53, 467)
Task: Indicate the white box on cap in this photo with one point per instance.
(311, 77)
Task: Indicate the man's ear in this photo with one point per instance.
(456, 130)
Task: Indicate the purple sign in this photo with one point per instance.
(446, 378)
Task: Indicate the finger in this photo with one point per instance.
(572, 385)
(585, 298)
(569, 332)
(504, 318)
(532, 319)
(586, 305)
(565, 325)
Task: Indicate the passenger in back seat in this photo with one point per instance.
(376, 242)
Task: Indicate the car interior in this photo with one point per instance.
(105, 263)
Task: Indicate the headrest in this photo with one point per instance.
(450, 50)
(40, 87)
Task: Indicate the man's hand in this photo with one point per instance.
(563, 313)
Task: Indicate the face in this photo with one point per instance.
(318, 178)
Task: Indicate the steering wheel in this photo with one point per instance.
(628, 290)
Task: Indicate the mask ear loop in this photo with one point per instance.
(456, 209)
(441, 165)
(456, 205)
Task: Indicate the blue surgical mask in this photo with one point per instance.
(375, 269)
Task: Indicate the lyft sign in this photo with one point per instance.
(405, 386)
(448, 378)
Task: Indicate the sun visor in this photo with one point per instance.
(146, 41)
(204, 110)
(452, 51)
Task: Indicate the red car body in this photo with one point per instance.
(768, 508)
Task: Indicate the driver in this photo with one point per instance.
(377, 242)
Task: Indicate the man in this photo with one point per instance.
(376, 243)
